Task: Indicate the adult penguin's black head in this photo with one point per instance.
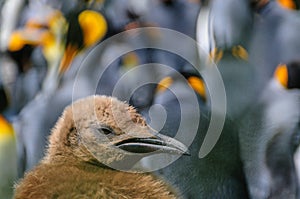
(293, 75)
(85, 28)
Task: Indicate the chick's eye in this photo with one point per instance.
(106, 131)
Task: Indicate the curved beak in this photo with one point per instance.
(157, 144)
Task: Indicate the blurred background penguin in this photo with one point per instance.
(61, 38)
(8, 153)
(8, 159)
(269, 137)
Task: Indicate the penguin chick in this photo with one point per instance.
(92, 135)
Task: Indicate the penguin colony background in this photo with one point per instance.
(150, 99)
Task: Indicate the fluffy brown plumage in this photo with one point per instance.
(90, 135)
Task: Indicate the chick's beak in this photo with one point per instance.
(158, 144)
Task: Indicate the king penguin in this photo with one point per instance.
(269, 136)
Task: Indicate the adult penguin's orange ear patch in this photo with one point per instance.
(6, 128)
(198, 85)
(240, 52)
(289, 4)
(216, 55)
(281, 75)
(164, 84)
(16, 41)
(93, 25)
(130, 60)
